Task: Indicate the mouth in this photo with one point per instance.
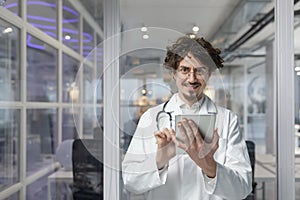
(193, 86)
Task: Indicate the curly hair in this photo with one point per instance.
(199, 47)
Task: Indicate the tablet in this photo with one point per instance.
(205, 123)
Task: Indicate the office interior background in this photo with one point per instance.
(54, 77)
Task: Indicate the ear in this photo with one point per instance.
(172, 73)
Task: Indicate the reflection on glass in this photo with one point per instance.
(88, 41)
(88, 84)
(41, 71)
(70, 32)
(297, 94)
(9, 147)
(243, 88)
(70, 79)
(89, 122)
(9, 62)
(13, 6)
(99, 64)
(43, 15)
(41, 138)
(38, 189)
(95, 9)
(14, 197)
(69, 130)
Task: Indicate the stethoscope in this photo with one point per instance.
(163, 111)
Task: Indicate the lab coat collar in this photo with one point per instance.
(174, 105)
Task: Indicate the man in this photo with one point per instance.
(216, 170)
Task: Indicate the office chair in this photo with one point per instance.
(87, 169)
(251, 152)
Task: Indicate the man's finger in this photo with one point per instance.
(178, 143)
(197, 134)
(188, 132)
(182, 132)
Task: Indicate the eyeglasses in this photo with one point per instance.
(199, 71)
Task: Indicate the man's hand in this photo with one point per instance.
(165, 147)
(200, 152)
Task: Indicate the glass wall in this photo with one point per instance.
(43, 15)
(297, 95)
(50, 93)
(245, 84)
(70, 33)
(41, 71)
(10, 62)
(10, 147)
(13, 6)
(51, 64)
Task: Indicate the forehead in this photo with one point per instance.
(191, 61)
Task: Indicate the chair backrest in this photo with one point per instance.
(63, 154)
(251, 152)
(87, 165)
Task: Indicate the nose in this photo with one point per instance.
(192, 75)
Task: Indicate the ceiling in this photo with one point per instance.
(221, 22)
(176, 15)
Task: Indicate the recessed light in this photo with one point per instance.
(145, 36)
(7, 30)
(195, 28)
(298, 73)
(297, 69)
(67, 37)
(144, 91)
(144, 29)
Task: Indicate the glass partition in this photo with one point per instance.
(70, 31)
(41, 71)
(9, 62)
(297, 96)
(13, 6)
(9, 147)
(42, 86)
(43, 15)
(41, 138)
(245, 84)
(69, 74)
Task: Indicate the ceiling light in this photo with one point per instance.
(144, 29)
(67, 37)
(7, 30)
(298, 73)
(297, 69)
(191, 35)
(144, 91)
(195, 28)
(145, 36)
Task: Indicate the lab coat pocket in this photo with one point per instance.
(220, 154)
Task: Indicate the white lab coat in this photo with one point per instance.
(182, 179)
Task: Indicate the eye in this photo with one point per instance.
(184, 69)
(201, 70)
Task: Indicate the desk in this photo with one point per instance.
(59, 177)
(265, 169)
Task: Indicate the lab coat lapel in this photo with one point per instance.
(173, 108)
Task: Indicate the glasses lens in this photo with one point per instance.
(185, 71)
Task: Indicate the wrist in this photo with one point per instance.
(210, 168)
(160, 165)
